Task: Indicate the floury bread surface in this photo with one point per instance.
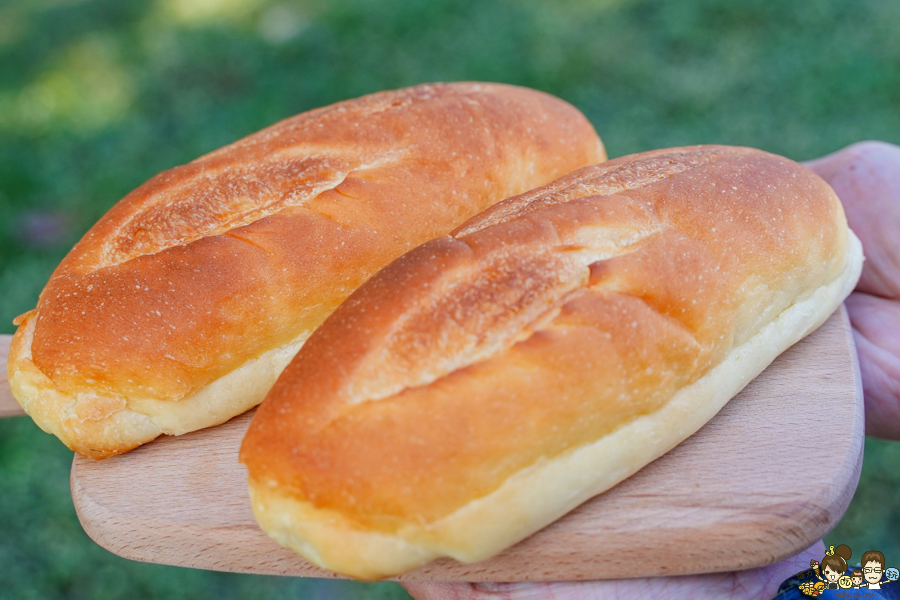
(489, 381)
(179, 309)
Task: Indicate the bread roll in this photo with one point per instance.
(179, 308)
(489, 381)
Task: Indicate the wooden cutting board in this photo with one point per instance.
(767, 477)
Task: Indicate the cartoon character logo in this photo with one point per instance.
(833, 573)
(873, 568)
(812, 588)
(834, 566)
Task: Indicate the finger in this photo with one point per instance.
(739, 585)
(876, 330)
(439, 590)
(866, 177)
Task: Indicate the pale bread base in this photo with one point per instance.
(101, 425)
(539, 495)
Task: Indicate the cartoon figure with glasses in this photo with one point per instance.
(873, 568)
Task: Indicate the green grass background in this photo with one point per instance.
(98, 96)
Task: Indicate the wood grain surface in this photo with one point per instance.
(768, 476)
(8, 405)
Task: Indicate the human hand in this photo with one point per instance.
(752, 584)
(866, 177)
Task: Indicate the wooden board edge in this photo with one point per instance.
(809, 523)
(838, 491)
(106, 530)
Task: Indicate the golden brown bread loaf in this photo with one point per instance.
(179, 308)
(489, 381)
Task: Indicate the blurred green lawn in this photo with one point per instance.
(98, 96)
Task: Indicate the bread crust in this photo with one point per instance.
(487, 382)
(218, 270)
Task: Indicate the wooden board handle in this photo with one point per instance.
(8, 405)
